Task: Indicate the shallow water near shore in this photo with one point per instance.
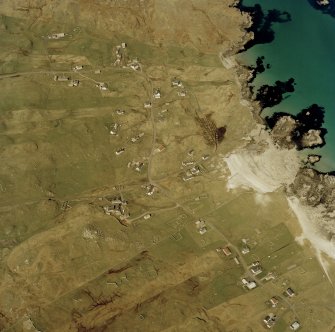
(304, 49)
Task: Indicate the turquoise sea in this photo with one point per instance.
(304, 49)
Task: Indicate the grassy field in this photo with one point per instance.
(66, 265)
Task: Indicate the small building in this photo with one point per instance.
(295, 325)
(245, 250)
(273, 302)
(270, 276)
(226, 251)
(116, 201)
(245, 281)
(124, 45)
(202, 230)
(147, 216)
(160, 148)
(205, 157)
(139, 167)
(256, 270)
(251, 285)
(150, 188)
(77, 67)
(195, 170)
(120, 112)
(176, 82)
(74, 83)
(289, 292)
(190, 153)
(156, 94)
(187, 178)
(97, 71)
(57, 35)
(136, 138)
(120, 151)
(182, 93)
(102, 86)
(256, 263)
(270, 320)
(201, 226)
(187, 163)
(114, 129)
(135, 66)
(236, 261)
(61, 78)
(147, 104)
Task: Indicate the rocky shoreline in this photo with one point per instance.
(308, 190)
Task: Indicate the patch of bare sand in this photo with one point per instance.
(311, 221)
(261, 165)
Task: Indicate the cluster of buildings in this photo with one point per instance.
(134, 65)
(64, 78)
(137, 165)
(137, 137)
(150, 189)
(271, 319)
(192, 172)
(176, 83)
(117, 208)
(114, 129)
(256, 268)
(102, 86)
(194, 168)
(119, 53)
(201, 226)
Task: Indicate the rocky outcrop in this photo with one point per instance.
(262, 23)
(326, 6)
(303, 130)
(271, 95)
(312, 159)
(315, 189)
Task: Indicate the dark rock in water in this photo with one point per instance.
(326, 6)
(262, 23)
(258, 68)
(303, 130)
(271, 95)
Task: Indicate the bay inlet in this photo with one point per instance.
(304, 49)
